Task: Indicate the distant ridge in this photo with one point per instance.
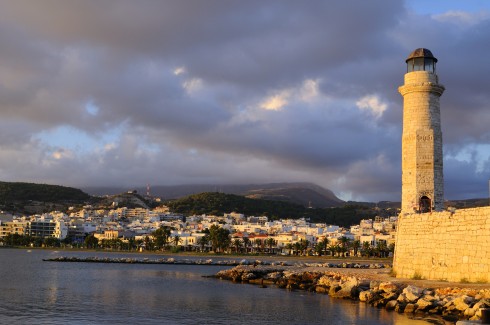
(306, 194)
(19, 191)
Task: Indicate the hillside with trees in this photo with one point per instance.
(37, 198)
(40, 192)
(214, 203)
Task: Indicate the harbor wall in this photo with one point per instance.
(450, 245)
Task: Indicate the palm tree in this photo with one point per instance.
(203, 241)
(323, 245)
(297, 247)
(304, 245)
(176, 240)
(246, 243)
(344, 244)
(391, 248)
(289, 247)
(237, 243)
(366, 248)
(271, 242)
(381, 248)
(258, 244)
(332, 248)
(356, 244)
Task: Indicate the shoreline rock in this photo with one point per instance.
(449, 304)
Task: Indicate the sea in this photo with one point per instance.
(33, 291)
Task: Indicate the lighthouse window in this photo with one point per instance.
(429, 65)
(418, 64)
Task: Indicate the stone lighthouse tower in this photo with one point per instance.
(422, 178)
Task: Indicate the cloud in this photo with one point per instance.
(231, 91)
(275, 102)
(372, 104)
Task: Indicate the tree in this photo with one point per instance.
(319, 248)
(304, 244)
(51, 242)
(271, 242)
(203, 241)
(391, 248)
(258, 244)
(149, 243)
(344, 244)
(332, 248)
(91, 242)
(322, 246)
(162, 236)
(176, 240)
(356, 244)
(219, 237)
(237, 243)
(366, 249)
(297, 247)
(289, 247)
(246, 243)
(381, 248)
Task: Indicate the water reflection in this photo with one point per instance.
(89, 293)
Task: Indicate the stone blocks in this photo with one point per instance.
(450, 246)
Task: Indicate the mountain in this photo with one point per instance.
(305, 194)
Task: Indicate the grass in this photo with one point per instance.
(417, 276)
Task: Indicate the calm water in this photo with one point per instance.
(37, 292)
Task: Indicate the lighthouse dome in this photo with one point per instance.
(421, 59)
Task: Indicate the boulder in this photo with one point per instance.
(388, 287)
(460, 303)
(366, 296)
(391, 305)
(326, 281)
(410, 308)
(348, 288)
(425, 303)
(410, 294)
(248, 276)
(374, 285)
(321, 289)
(484, 303)
(469, 312)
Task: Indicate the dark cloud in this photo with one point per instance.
(173, 92)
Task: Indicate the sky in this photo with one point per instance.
(128, 93)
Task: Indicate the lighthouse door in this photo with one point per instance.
(424, 205)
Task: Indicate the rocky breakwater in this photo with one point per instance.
(170, 260)
(450, 304)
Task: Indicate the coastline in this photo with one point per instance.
(436, 302)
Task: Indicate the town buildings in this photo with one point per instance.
(138, 224)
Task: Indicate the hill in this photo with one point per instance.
(40, 192)
(305, 194)
(30, 198)
(215, 203)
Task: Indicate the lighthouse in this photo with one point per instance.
(422, 174)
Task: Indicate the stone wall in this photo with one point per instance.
(452, 246)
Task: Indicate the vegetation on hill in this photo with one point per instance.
(40, 192)
(214, 203)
